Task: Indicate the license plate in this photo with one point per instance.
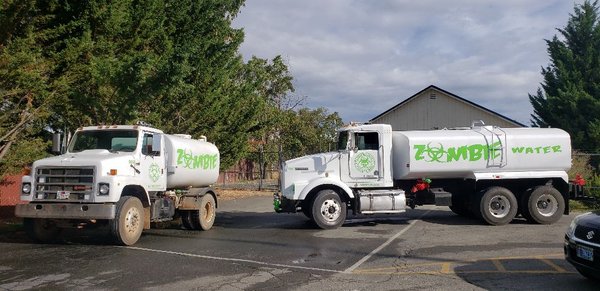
(63, 194)
(585, 253)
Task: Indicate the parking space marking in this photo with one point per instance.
(496, 267)
(553, 265)
(385, 244)
(232, 260)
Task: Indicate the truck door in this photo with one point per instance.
(365, 156)
(152, 163)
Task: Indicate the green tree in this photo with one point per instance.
(174, 64)
(27, 86)
(309, 131)
(569, 97)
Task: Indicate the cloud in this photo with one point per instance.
(360, 58)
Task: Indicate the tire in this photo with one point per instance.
(204, 218)
(41, 230)
(497, 206)
(545, 205)
(128, 224)
(186, 219)
(328, 210)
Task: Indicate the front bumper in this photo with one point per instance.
(570, 250)
(66, 210)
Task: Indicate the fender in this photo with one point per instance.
(325, 181)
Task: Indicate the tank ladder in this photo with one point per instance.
(495, 139)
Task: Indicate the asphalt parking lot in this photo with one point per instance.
(252, 248)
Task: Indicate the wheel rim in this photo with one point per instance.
(499, 206)
(546, 205)
(331, 210)
(132, 220)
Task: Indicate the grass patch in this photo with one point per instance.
(583, 205)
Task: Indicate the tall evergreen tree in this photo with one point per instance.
(569, 97)
(174, 64)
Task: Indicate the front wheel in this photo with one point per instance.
(128, 224)
(497, 206)
(41, 230)
(328, 210)
(545, 205)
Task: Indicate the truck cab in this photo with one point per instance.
(358, 176)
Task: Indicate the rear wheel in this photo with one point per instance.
(328, 210)
(497, 206)
(41, 230)
(186, 219)
(205, 217)
(128, 224)
(545, 205)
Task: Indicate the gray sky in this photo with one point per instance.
(360, 58)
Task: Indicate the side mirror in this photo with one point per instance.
(57, 143)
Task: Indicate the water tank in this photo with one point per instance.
(461, 153)
(190, 162)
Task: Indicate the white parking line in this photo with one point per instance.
(232, 260)
(385, 244)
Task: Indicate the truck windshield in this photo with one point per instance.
(112, 140)
(342, 140)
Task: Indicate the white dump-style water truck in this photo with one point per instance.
(124, 177)
(486, 171)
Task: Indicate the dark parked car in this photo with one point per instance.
(582, 244)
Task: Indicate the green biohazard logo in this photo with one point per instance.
(364, 163)
(154, 172)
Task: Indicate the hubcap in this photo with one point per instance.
(547, 205)
(331, 210)
(499, 207)
(132, 220)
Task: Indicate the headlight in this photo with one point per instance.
(103, 189)
(26, 188)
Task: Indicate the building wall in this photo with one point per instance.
(433, 109)
(10, 190)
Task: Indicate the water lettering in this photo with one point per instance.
(537, 150)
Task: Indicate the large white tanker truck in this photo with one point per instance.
(123, 177)
(490, 172)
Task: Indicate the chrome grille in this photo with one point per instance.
(73, 183)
